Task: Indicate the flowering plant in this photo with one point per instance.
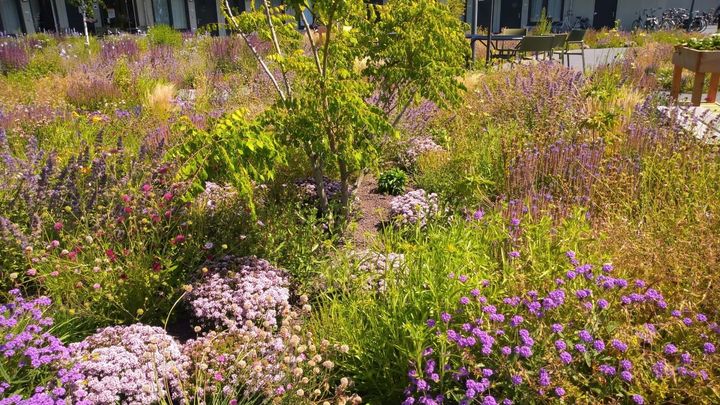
(415, 207)
(593, 333)
(233, 290)
(137, 364)
(28, 350)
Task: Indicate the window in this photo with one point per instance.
(161, 12)
(179, 13)
(553, 8)
(10, 17)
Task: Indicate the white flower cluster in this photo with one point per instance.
(216, 195)
(375, 269)
(307, 188)
(234, 289)
(136, 364)
(415, 207)
(418, 146)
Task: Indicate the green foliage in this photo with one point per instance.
(544, 24)
(385, 328)
(234, 150)
(164, 35)
(417, 51)
(711, 43)
(392, 181)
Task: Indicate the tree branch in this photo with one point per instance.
(255, 52)
(276, 43)
(310, 38)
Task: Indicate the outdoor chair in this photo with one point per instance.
(576, 37)
(537, 44)
(559, 45)
(513, 32)
(516, 32)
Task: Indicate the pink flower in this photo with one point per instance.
(58, 226)
(72, 255)
(167, 196)
(218, 376)
(96, 286)
(179, 239)
(55, 243)
(31, 272)
(126, 198)
(146, 188)
(55, 273)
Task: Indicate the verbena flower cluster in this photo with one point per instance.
(416, 147)
(415, 207)
(374, 269)
(136, 364)
(28, 351)
(233, 290)
(592, 333)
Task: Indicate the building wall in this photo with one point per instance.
(628, 9)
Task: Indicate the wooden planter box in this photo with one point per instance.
(700, 63)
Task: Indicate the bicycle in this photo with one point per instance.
(570, 22)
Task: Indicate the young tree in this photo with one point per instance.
(416, 51)
(86, 8)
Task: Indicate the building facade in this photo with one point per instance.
(601, 13)
(29, 16)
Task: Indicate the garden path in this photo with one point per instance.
(372, 208)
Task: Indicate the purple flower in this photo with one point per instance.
(585, 336)
(687, 321)
(566, 357)
(580, 348)
(599, 345)
(556, 328)
(638, 399)
(560, 344)
(445, 317)
(475, 292)
(516, 320)
(506, 351)
(464, 300)
(602, 303)
(618, 345)
(607, 267)
(514, 254)
(701, 318)
(626, 376)
(543, 377)
(516, 379)
(607, 369)
(625, 364)
(708, 348)
(524, 351)
(670, 349)
(571, 274)
(559, 391)
(489, 400)
(430, 323)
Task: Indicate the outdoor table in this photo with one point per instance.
(700, 63)
(490, 41)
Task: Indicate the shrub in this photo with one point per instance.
(91, 93)
(13, 56)
(116, 49)
(136, 364)
(416, 147)
(233, 291)
(164, 35)
(592, 333)
(29, 350)
(283, 364)
(414, 208)
(392, 182)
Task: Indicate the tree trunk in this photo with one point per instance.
(322, 203)
(87, 35)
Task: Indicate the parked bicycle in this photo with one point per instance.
(570, 22)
